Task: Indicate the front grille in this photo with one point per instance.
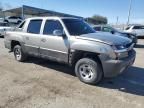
(130, 52)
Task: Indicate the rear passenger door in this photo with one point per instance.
(32, 37)
(52, 46)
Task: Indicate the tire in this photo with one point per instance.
(18, 53)
(1, 36)
(88, 71)
(6, 21)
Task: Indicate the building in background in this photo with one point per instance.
(96, 20)
(27, 11)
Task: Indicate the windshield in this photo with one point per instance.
(77, 27)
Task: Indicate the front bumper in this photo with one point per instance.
(113, 68)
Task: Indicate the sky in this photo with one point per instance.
(87, 8)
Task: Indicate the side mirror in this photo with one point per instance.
(112, 32)
(58, 33)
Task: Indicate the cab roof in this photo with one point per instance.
(52, 17)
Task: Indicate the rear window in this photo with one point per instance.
(34, 26)
(13, 17)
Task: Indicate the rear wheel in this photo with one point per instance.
(6, 21)
(18, 53)
(88, 71)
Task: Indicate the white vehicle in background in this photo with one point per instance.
(4, 27)
(13, 19)
(1, 20)
(138, 30)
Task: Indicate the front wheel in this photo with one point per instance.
(88, 71)
(18, 53)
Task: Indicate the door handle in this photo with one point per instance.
(27, 38)
(43, 40)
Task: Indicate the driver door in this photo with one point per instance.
(52, 46)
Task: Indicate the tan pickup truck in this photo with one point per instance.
(72, 41)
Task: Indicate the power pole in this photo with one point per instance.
(117, 20)
(22, 12)
(129, 12)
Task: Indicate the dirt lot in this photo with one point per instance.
(44, 84)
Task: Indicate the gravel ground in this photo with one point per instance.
(39, 83)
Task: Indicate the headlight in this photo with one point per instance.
(120, 51)
(132, 36)
(118, 47)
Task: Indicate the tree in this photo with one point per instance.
(1, 7)
(97, 19)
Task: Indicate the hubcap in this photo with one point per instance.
(86, 71)
(18, 54)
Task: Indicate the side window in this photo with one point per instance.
(127, 28)
(12, 17)
(136, 27)
(34, 26)
(51, 26)
(21, 25)
(106, 29)
(97, 28)
(142, 27)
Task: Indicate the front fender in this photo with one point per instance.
(90, 46)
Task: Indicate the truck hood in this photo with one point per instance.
(105, 38)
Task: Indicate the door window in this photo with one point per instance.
(34, 26)
(51, 26)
